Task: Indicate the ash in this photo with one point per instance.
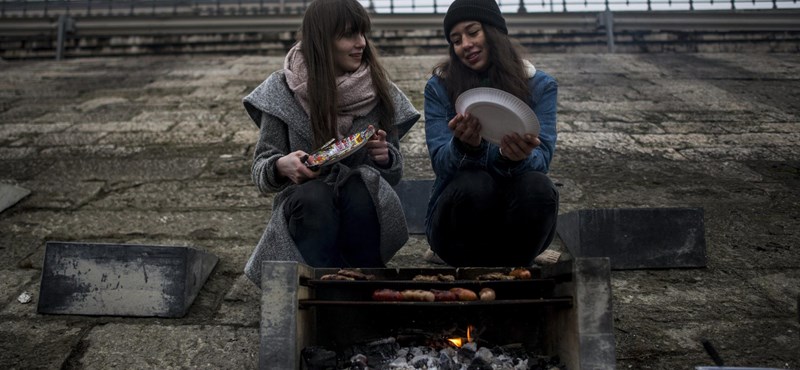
(389, 355)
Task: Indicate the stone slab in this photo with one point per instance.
(130, 346)
(637, 238)
(10, 195)
(121, 279)
(37, 344)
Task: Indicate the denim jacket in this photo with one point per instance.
(447, 157)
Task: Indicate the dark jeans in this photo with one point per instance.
(334, 227)
(481, 220)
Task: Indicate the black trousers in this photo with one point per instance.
(482, 220)
(334, 227)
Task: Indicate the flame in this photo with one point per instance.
(458, 342)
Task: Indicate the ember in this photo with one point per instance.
(458, 342)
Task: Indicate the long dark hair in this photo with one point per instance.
(505, 72)
(324, 22)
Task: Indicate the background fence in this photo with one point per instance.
(46, 8)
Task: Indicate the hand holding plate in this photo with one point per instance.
(499, 113)
(516, 148)
(378, 149)
(292, 166)
(466, 128)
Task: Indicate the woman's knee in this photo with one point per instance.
(310, 198)
(354, 196)
(471, 187)
(537, 186)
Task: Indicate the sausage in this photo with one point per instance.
(418, 295)
(387, 295)
(335, 277)
(444, 295)
(487, 294)
(464, 294)
(355, 274)
(495, 276)
(437, 277)
(520, 273)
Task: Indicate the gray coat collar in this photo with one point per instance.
(273, 97)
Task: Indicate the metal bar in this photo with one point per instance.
(608, 18)
(62, 25)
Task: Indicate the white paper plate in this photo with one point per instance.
(499, 112)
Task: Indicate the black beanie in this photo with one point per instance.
(484, 11)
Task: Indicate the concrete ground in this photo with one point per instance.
(156, 150)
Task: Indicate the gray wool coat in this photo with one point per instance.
(285, 127)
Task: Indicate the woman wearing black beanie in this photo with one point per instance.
(491, 204)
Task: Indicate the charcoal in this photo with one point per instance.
(375, 352)
(485, 354)
(319, 358)
(478, 363)
(446, 362)
(420, 362)
(358, 362)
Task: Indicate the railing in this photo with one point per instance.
(88, 8)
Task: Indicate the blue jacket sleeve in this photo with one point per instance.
(445, 155)
(544, 95)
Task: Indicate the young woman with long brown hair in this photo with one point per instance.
(491, 205)
(332, 86)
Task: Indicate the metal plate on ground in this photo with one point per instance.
(637, 238)
(122, 279)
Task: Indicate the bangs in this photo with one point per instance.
(350, 19)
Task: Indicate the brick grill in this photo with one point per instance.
(564, 310)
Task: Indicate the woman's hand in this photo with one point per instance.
(378, 149)
(291, 166)
(466, 128)
(516, 148)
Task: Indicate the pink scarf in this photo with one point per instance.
(356, 93)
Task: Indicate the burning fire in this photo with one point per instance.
(458, 342)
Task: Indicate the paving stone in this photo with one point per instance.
(135, 169)
(781, 288)
(13, 283)
(16, 250)
(86, 225)
(55, 193)
(219, 194)
(37, 344)
(17, 129)
(72, 139)
(774, 338)
(121, 346)
(640, 295)
(90, 151)
(121, 126)
(241, 305)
